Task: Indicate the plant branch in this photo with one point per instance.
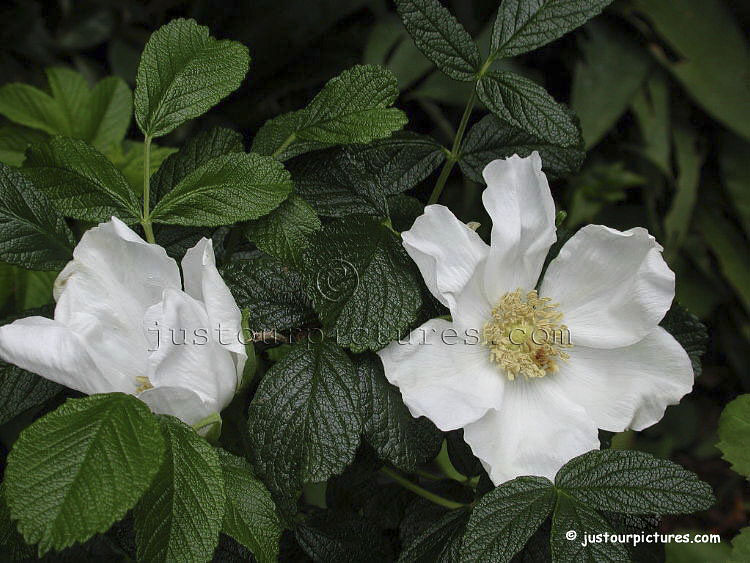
(424, 493)
(146, 215)
(288, 141)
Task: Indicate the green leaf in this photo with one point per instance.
(351, 108)
(183, 73)
(631, 482)
(389, 428)
(524, 25)
(506, 517)
(274, 293)
(284, 232)
(651, 108)
(196, 152)
(573, 516)
(689, 332)
(304, 423)
(180, 515)
(435, 542)
(14, 140)
(363, 285)
(734, 434)
(79, 469)
(441, 38)
(128, 158)
(99, 116)
(684, 26)
(14, 546)
(491, 139)
(358, 179)
(527, 106)
(734, 154)
(741, 547)
(612, 68)
(81, 181)
(460, 455)
(341, 537)
(226, 189)
(250, 516)
(32, 232)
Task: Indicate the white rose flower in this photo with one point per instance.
(123, 323)
(529, 403)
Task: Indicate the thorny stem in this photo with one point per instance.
(424, 493)
(146, 216)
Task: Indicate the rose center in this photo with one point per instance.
(525, 335)
(142, 383)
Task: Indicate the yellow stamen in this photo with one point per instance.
(143, 383)
(526, 335)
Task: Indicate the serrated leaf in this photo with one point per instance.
(339, 537)
(226, 189)
(527, 106)
(79, 469)
(632, 482)
(80, 180)
(99, 116)
(183, 73)
(434, 543)
(32, 232)
(284, 232)
(506, 517)
(273, 293)
(250, 516)
(389, 428)
(689, 331)
(196, 152)
(362, 284)
(491, 139)
(358, 179)
(14, 546)
(524, 25)
(571, 515)
(734, 434)
(14, 140)
(304, 423)
(180, 515)
(441, 38)
(351, 108)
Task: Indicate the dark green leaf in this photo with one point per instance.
(734, 434)
(631, 482)
(491, 139)
(527, 106)
(179, 517)
(273, 293)
(21, 390)
(81, 181)
(335, 537)
(284, 232)
(14, 140)
(460, 454)
(79, 469)
(524, 25)
(363, 285)
(441, 38)
(389, 428)
(689, 332)
(12, 542)
(506, 517)
(250, 516)
(226, 189)
(304, 422)
(435, 544)
(32, 232)
(358, 179)
(183, 73)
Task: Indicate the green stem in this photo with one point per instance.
(455, 153)
(424, 493)
(146, 216)
(288, 141)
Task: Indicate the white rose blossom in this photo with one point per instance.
(527, 402)
(123, 323)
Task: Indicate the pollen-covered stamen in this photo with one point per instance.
(143, 383)
(525, 335)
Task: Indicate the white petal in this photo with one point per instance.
(187, 353)
(52, 350)
(535, 431)
(443, 374)
(613, 287)
(129, 263)
(519, 201)
(445, 250)
(204, 283)
(177, 401)
(627, 387)
(473, 308)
